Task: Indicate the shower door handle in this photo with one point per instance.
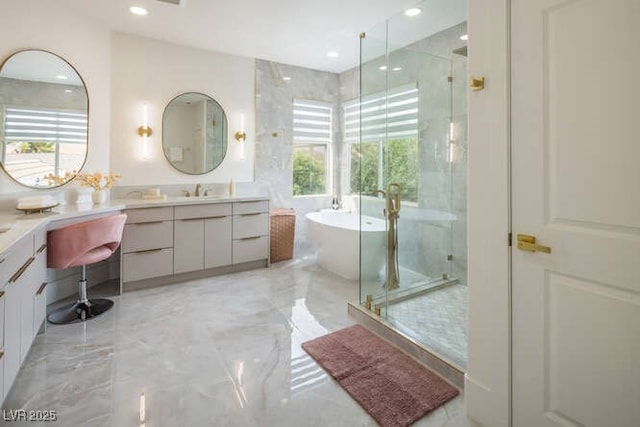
(528, 243)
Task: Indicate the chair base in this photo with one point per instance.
(79, 311)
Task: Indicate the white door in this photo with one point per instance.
(576, 188)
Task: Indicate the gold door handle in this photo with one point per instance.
(528, 243)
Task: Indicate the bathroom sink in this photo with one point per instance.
(195, 198)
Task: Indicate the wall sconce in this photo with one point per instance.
(144, 131)
(451, 148)
(241, 136)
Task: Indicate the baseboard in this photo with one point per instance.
(194, 275)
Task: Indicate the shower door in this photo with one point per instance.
(412, 148)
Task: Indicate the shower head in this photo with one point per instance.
(460, 51)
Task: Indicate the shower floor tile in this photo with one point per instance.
(436, 319)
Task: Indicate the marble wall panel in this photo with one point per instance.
(274, 136)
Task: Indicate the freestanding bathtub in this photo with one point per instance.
(335, 234)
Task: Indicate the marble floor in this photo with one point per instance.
(221, 351)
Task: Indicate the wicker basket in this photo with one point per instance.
(283, 226)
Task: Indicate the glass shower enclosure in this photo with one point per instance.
(409, 169)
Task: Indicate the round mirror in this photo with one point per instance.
(43, 119)
(194, 133)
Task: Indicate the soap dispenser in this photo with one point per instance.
(232, 188)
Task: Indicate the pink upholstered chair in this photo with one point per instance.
(78, 245)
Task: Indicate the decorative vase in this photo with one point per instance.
(99, 197)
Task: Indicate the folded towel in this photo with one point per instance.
(175, 154)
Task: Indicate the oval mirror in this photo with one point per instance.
(194, 133)
(44, 110)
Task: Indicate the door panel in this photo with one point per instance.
(575, 187)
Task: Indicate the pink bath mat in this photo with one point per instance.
(391, 386)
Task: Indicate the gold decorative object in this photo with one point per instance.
(376, 310)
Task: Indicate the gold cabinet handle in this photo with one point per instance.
(146, 251)
(528, 243)
(41, 289)
(21, 270)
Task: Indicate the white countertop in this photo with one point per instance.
(19, 224)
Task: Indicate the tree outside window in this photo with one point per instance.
(382, 132)
(375, 164)
(311, 145)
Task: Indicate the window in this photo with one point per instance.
(311, 146)
(384, 148)
(38, 142)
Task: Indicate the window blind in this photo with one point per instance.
(41, 125)
(392, 116)
(311, 121)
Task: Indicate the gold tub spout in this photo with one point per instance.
(392, 211)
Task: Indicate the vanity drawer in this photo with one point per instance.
(40, 241)
(250, 249)
(143, 215)
(16, 258)
(250, 225)
(203, 211)
(241, 208)
(147, 264)
(147, 235)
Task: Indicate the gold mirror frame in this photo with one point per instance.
(74, 119)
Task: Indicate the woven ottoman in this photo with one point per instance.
(283, 227)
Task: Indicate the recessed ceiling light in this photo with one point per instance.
(61, 77)
(396, 69)
(136, 10)
(68, 90)
(332, 54)
(464, 37)
(413, 11)
(286, 78)
(382, 68)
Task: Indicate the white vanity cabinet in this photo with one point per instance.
(250, 231)
(202, 237)
(172, 243)
(23, 274)
(147, 243)
(217, 240)
(39, 283)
